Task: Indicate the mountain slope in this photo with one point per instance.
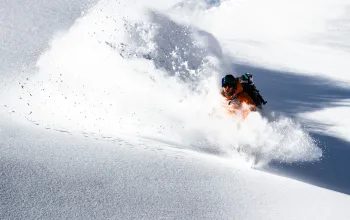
(111, 109)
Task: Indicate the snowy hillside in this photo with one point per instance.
(111, 109)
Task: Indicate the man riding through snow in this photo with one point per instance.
(236, 96)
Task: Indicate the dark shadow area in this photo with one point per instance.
(291, 94)
(331, 172)
(294, 93)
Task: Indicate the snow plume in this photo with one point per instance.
(193, 5)
(189, 54)
(129, 70)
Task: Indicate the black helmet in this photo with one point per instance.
(228, 80)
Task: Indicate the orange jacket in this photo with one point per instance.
(242, 97)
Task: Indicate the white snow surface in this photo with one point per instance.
(48, 175)
(111, 109)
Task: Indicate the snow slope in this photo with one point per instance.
(49, 175)
(142, 78)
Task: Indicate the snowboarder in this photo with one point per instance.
(233, 92)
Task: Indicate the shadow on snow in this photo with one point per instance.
(291, 94)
